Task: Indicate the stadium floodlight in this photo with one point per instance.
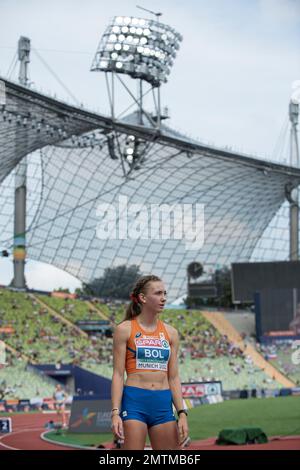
(141, 48)
(130, 149)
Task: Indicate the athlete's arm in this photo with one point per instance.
(173, 373)
(175, 384)
(119, 355)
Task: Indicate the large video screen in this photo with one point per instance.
(276, 310)
(248, 278)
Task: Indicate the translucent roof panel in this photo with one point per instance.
(74, 186)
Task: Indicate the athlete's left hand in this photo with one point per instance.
(183, 428)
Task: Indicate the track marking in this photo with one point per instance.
(13, 434)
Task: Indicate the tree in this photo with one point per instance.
(116, 283)
(223, 283)
(63, 289)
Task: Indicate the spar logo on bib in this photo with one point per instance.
(152, 354)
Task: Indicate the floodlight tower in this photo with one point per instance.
(292, 193)
(143, 49)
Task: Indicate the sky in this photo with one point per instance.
(230, 84)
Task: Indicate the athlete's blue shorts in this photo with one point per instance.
(149, 406)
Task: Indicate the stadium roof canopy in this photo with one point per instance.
(71, 171)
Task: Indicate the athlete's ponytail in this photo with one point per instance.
(135, 306)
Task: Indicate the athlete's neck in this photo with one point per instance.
(148, 319)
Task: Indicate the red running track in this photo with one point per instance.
(27, 430)
(26, 433)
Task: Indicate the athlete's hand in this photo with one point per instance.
(117, 426)
(182, 428)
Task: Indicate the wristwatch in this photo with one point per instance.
(182, 411)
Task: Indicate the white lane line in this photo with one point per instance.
(13, 434)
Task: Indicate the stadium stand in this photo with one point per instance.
(223, 325)
(71, 309)
(35, 327)
(279, 355)
(18, 381)
(206, 353)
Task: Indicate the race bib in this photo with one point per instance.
(152, 353)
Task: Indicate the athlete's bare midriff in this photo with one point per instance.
(150, 380)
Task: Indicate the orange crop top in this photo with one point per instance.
(146, 351)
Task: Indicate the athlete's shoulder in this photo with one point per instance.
(172, 332)
(124, 324)
(123, 329)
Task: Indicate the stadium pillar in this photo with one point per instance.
(294, 193)
(294, 232)
(19, 250)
